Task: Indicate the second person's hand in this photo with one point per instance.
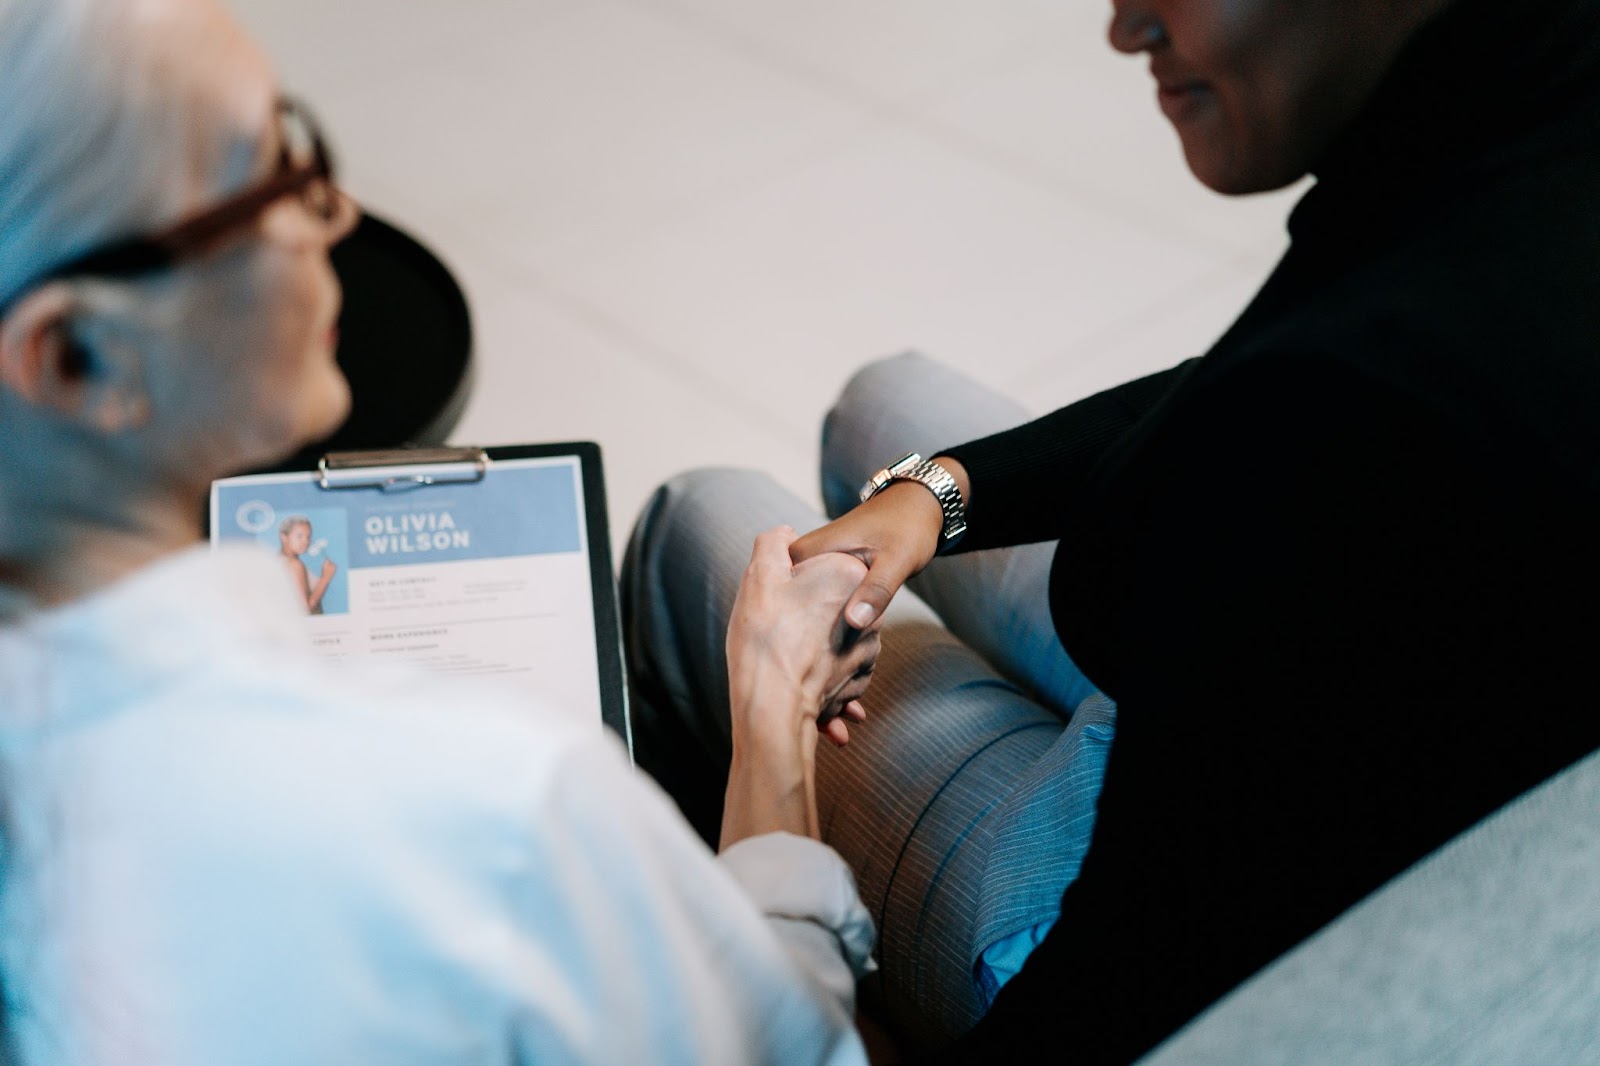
(896, 533)
(794, 672)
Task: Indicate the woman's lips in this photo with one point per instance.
(1182, 102)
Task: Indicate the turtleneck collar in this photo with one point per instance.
(1484, 81)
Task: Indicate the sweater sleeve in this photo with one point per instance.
(1008, 470)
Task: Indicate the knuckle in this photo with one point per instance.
(847, 568)
(877, 589)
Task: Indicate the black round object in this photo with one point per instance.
(405, 343)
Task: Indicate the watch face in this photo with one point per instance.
(904, 465)
(899, 468)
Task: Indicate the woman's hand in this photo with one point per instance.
(793, 669)
(786, 641)
(896, 533)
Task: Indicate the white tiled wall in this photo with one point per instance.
(682, 223)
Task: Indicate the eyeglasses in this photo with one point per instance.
(304, 169)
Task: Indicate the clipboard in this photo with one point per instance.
(471, 561)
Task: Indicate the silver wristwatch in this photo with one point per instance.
(937, 480)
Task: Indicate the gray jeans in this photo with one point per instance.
(965, 802)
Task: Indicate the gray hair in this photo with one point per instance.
(73, 83)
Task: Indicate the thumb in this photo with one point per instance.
(770, 554)
(871, 598)
(819, 541)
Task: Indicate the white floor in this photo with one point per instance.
(682, 223)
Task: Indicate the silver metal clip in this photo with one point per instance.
(402, 469)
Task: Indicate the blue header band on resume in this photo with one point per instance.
(525, 511)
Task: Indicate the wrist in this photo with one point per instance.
(766, 700)
(777, 768)
(771, 788)
(943, 487)
(959, 473)
(770, 778)
(917, 508)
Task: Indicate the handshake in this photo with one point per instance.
(802, 641)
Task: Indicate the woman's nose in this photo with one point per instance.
(1134, 27)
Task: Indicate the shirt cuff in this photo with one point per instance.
(800, 879)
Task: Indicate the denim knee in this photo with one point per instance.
(857, 417)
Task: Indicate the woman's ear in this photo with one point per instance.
(37, 360)
(44, 363)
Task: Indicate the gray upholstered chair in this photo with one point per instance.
(1487, 951)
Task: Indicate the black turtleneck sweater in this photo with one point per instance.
(1340, 573)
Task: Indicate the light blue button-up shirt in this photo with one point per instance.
(220, 850)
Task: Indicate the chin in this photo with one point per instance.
(329, 410)
(314, 416)
(1232, 178)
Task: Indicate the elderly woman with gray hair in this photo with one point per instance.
(217, 849)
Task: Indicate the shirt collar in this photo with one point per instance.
(188, 613)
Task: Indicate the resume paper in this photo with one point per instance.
(482, 579)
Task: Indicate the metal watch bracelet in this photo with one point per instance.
(937, 480)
